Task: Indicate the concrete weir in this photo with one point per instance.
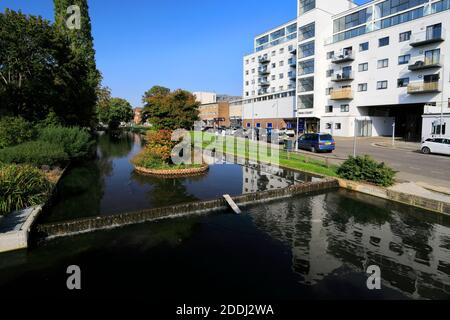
(68, 228)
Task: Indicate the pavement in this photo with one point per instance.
(429, 172)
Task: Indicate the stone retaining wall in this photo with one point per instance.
(173, 172)
(409, 199)
(72, 227)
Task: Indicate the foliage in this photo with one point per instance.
(40, 73)
(37, 153)
(147, 159)
(75, 142)
(22, 186)
(14, 130)
(114, 112)
(170, 110)
(364, 168)
(160, 144)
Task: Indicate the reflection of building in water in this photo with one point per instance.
(260, 177)
(325, 234)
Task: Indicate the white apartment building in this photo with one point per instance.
(364, 70)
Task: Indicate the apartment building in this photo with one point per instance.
(368, 70)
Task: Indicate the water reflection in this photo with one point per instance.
(108, 185)
(333, 231)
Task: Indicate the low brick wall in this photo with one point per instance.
(72, 227)
(173, 172)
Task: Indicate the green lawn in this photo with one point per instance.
(249, 150)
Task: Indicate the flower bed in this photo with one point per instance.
(176, 172)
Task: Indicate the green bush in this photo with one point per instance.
(76, 142)
(22, 186)
(37, 153)
(367, 169)
(14, 130)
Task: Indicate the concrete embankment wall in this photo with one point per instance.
(409, 199)
(73, 227)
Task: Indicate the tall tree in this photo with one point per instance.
(81, 40)
(170, 110)
(117, 110)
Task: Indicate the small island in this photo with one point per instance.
(167, 111)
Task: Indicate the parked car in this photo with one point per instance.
(436, 145)
(317, 142)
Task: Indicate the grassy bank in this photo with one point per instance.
(251, 150)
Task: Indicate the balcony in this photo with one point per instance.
(293, 50)
(292, 63)
(261, 92)
(292, 75)
(438, 109)
(264, 83)
(424, 87)
(427, 37)
(344, 56)
(264, 59)
(425, 63)
(263, 71)
(343, 76)
(342, 94)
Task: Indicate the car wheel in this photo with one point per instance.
(426, 150)
(313, 149)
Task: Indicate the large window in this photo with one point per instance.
(306, 101)
(363, 67)
(381, 85)
(306, 84)
(306, 50)
(404, 59)
(389, 7)
(352, 20)
(383, 42)
(307, 32)
(306, 67)
(384, 63)
(306, 5)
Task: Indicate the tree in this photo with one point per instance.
(116, 111)
(170, 110)
(40, 74)
(82, 42)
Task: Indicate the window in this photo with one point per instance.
(337, 126)
(437, 127)
(274, 65)
(253, 59)
(274, 53)
(281, 63)
(330, 73)
(363, 67)
(306, 67)
(402, 82)
(246, 72)
(383, 42)
(306, 32)
(328, 91)
(389, 7)
(273, 77)
(329, 109)
(253, 70)
(345, 108)
(405, 36)
(281, 76)
(364, 46)
(306, 84)
(404, 59)
(306, 50)
(352, 20)
(381, 85)
(306, 5)
(330, 55)
(432, 57)
(281, 50)
(328, 126)
(247, 83)
(384, 63)
(247, 62)
(362, 87)
(306, 101)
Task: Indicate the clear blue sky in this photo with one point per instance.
(196, 45)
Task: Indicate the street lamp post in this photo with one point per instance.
(354, 138)
(297, 131)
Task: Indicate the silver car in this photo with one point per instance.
(436, 145)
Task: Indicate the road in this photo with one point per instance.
(412, 165)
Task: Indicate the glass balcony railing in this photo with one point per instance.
(422, 63)
(427, 37)
(263, 71)
(264, 83)
(343, 56)
(264, 59)
(343, 76)
(342, 94)
(424, 87)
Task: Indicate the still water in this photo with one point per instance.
(108, 185)
(315, 246)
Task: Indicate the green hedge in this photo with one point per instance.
(14, 130)
(364, 168)
(36, 153)
(76, 142)
(22, 186)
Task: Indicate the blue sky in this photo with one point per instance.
(196, 45)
